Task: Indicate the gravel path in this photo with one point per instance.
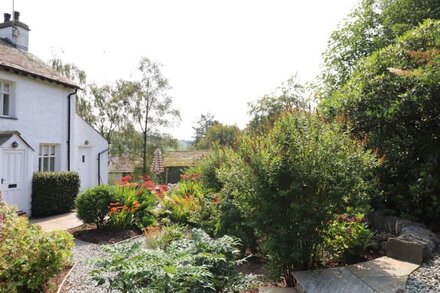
(427, 277)
(78, 280)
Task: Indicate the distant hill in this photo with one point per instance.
(185, 144)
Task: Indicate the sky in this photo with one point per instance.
(217, 55)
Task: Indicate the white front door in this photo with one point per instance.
(84, 168)
(12, 175)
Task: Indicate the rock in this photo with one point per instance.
(413, 242)
(409, 250)
(383, 245)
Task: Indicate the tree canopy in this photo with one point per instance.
(392, 101)
(372, 25)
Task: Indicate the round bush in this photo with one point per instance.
(92, 205)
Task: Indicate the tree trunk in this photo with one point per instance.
(144, 167)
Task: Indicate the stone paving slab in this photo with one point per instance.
(383, 267)
(58, 222)
(277, 290)
(383, 275)
(334, 280)
(386, 284)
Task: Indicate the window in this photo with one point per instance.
(47, 157)
(5, 99)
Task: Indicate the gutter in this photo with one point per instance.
(99, 164)
(69, 110)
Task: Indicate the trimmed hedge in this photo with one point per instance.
(54, 192)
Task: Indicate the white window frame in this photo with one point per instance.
(47, 152)
(9, 92)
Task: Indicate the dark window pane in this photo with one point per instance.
(45, 164)
(5, 105)
(52, 164)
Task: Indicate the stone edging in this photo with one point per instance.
(60, 287)
(413, 242)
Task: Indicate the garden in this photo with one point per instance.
(300, 188)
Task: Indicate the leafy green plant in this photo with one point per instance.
(54, 192)
(196, 263)
(168, 234)
(93, 205)
(132, 208)
(345, 238)
(29, 257)
(290, 182)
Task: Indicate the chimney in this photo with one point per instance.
(16, 16)
(15, 32)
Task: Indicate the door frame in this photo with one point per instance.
(24, 147)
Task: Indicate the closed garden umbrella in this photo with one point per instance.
(157, 166)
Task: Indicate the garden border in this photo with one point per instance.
(413, 242)
(60, 287)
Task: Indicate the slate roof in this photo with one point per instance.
(126, 164)
(183, 158)
(22, 62)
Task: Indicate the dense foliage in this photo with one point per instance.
(133, 208)
(346, 237)
(195, 263)
(266, 110)
(392, 99)
(290, 182)
(54, 192)
(372, 25)
(92, 205)
(128, 205)
(29, 257)
(219, 135)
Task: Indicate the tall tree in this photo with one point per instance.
(372, 25)
(202, 125)
(220, 135)
(151, 106)
(392, 101)
(290, 95)
(111, 104)
(84, 107)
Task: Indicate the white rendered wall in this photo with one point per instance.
(40, 112)
(87, 137)
(41, 115)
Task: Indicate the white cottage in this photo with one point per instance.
(39, 128)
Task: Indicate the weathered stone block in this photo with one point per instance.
(410, 250)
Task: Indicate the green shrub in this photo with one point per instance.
(290, 182)
(93, 205)
(54, 192)
(392, 99)
(345, 239)
(132, 208)
(207, 168)
(168, 234)
(195, 263)
(28, 256)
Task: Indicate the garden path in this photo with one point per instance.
(58, 222)
(383, 275)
